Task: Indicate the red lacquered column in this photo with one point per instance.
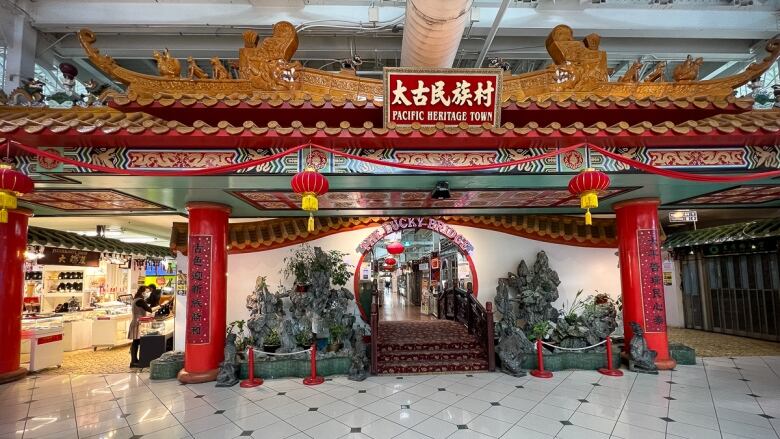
(13, 244)
(641, 275)
(207, 291)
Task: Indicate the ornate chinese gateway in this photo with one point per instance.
(578, 71)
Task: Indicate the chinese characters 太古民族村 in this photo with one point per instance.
(460, 95)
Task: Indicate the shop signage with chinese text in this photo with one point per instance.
(448, 96)
(683, 216)
(69, 256)
(403, 223)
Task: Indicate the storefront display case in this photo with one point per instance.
(156, 338)
(42, 345)
(77, 330)
(109, 328)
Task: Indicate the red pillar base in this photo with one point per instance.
(541, 373)
(13, 375)
(313, 381)
(611, 372)
(197, 377)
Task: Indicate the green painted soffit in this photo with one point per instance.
(175, 192)
(728, 233)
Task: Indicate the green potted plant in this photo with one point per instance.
(243, 339)
(541, 331)
(303, 338)
(298, 266)
(271, 341)
(336, 332)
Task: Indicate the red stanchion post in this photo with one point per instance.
(609, 371)
(313, 380)
(540, 372)
(251, 381)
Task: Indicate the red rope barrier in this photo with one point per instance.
(251, 381)
(609, 371)
(313, 380)
(540, 372)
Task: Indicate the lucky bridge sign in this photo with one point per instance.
(449, 96)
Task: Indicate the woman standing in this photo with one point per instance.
(140, 308)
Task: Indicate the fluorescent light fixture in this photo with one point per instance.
(93, 233)
(139, 239)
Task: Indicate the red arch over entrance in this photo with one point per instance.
(356, 277)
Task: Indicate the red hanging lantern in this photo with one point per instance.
(309, 184)
(390, 261)
(587, 185)
(12, 185)
(395, 248)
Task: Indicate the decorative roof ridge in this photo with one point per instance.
(757, 229)
(283, 232)
(35, 121)
(60, 239)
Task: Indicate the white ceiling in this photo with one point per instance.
(331, 30)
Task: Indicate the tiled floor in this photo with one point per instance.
(723, 398)
(712, 344)
(395, 307)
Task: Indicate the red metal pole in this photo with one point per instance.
(540, 372)
(251, 381)
(313, 380)
(609, 371)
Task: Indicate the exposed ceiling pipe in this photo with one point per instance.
(433, 31)
(492, 34)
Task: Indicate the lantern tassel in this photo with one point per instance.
(589, 200)
(309, 202)
(3, 216)
(588, 218)
(310, 227)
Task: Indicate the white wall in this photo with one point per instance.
(579, 268)
(243, 269)
(495, 254)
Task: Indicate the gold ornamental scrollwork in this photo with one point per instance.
(579, 71)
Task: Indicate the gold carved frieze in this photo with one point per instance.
(578, 70)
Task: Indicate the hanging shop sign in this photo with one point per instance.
(404, 223)
(68, 256)
(651, 278)
(683, 216)
(449, 96)
(199, 297)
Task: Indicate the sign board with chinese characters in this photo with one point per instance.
(395, 224)
(683, 216)
(651, 278)
(68, 256)
(199, 282)
(448, 96)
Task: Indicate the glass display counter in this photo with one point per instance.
(77, 333)
(42, 345)
(109, 327)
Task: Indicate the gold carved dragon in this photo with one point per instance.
(579, 70)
